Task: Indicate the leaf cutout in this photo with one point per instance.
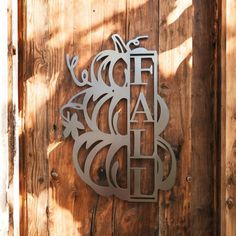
(75, 122)
(79, 125)
(66, 132)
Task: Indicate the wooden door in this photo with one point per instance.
(54, 199)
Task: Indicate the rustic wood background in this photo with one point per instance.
(54, 200)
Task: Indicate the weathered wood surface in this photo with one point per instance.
(3, 119)
(13, 125)
(175, 70)
(228, 124)
(54, 199)
(203, 125)
(9, 178)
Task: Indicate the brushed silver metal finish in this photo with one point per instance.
(86, 132)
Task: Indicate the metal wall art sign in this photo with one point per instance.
(145, 116)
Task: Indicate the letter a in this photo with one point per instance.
(146, 111)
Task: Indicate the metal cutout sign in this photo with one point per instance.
(116, 121)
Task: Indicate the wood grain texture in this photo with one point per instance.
(21, 91)
(202, 119)
(13, 131)
(228, 125)
(4, 216)
(175, 68)
(222, 73)
(11, 114)
(54, 200)
(36, 118)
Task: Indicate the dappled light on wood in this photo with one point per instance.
(180, 7)
(53, 146)
(231, 44)
(169, 61)
(231, 33)
(62, 220)
(55, 201)
(36, 97)
(49, 86)
(63, 15)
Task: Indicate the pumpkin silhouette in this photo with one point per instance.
(99, 91)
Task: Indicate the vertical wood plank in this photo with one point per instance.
(228, 176)
(13, 150)
(175, 70)
(71, 201)
(3, 120)
(21, 91)
(35, 117)
(11, 122)
(139, 218)
(112, 21)
(202, 117)
(222, 74)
